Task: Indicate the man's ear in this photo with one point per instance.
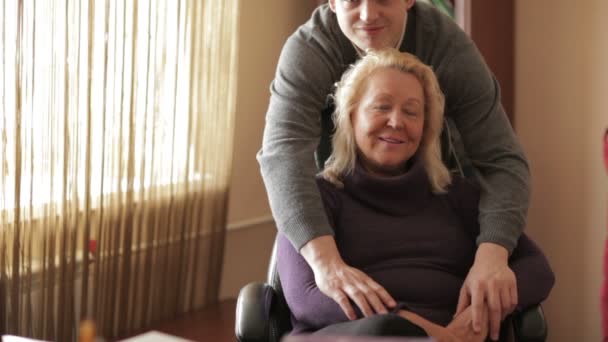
(332, 5)
(409, 3)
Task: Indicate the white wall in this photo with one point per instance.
(264, 27)
(561, 112)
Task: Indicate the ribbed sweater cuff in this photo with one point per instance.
(301, 229)
(502, 232)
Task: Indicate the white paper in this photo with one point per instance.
(11, 338)
(155, 336)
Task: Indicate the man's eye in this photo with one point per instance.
(382, 108)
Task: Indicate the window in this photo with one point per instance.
(62, 111)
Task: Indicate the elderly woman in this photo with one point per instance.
(397, 213)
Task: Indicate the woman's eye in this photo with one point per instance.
(382, 108)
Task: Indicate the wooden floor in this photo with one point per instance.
(213, 324)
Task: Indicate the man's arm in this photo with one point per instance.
(503, 175)
(302, 83)
(473, 101)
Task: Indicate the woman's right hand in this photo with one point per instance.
(462, 326)
(341, 282)
(437, 332)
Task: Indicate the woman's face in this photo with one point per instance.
(389, 120)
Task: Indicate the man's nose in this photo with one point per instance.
(369, 11)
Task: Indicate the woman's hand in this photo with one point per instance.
(462, 327)
(437, 332)
(341, 282)
(490, 284)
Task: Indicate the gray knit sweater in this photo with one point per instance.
(315, 57)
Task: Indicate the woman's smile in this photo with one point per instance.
(391, 140)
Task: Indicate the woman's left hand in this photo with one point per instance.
(490, 284)
(462, 327)
(437, 332)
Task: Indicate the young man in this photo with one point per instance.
(312, 60)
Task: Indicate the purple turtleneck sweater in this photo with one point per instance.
(418, 245)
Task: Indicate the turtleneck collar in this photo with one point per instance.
(398, 196)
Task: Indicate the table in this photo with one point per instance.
(319, 338)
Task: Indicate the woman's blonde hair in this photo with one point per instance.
(348, 95)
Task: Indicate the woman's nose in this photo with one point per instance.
(369, 11)
(395, 120)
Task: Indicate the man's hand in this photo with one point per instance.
(341, 282)
(492, 284)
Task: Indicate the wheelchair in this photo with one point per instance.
(262, 314)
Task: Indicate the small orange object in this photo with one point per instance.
(87, 332)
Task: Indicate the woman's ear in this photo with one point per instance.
(332, 5)
(408, 3)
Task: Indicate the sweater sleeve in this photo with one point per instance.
(533, 274)
(311, 308)
(306, 71)
(535, 279)
(473, 101)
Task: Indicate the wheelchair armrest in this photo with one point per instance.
(530, 325)
(252, 321)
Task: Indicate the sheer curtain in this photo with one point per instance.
(116, 127)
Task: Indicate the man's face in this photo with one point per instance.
(372, 24)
